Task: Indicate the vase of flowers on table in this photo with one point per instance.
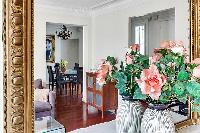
(168, 78)
(63, 65)
(130, 109)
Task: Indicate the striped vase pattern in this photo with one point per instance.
(157, 121)
(128, 119)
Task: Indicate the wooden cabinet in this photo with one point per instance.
(101, 97)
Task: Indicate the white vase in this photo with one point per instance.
(128, 119)
(157, 121)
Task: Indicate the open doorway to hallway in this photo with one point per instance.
(66, 56)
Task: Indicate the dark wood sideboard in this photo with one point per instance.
(101, 97)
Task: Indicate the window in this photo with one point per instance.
(151, 29)
(139, 37)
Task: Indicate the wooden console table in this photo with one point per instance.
(101, 97)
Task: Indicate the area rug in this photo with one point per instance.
(110, 127)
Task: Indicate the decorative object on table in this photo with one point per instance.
(50, 48)
(63, 65)
(130, 111)
(64, 33)
(167, 79)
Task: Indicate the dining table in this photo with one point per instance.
(70, 74)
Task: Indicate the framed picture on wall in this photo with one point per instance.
(50, 48)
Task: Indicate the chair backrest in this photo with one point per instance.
(57, 65)
(59, 76)
(50, 71)
(38, 84)
(80, 74)
(76, 66)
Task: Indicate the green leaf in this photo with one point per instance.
(112, 60)
(183, 75)
(196, 101)
(179, 88)
(138, 94)
(193, 88)
(183, 99)
(121, 81)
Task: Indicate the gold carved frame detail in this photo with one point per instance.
(194, 29)
(18, 60)
(18, 63)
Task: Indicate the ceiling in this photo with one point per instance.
(78, 4)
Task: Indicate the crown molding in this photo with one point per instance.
(103, 4)
(87, 12)
(83, 12)
(118, 5)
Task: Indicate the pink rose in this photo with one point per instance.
(196, 61)
(196, 72)
(175, 46)
(102, 72)
(151, 82)
(165, 44)
(135, 47)
(155, 58)
(129, 59)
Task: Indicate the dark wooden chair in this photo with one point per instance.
(57, 66)
(76, 65)
(52, 80)
(61, 81)
(77, 80)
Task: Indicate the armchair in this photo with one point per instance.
(44, 102)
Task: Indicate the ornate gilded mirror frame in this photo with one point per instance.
(18, 63)
(194, 29)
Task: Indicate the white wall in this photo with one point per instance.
(80, 36)
(111, 25)
(70, 51)
(43, 14)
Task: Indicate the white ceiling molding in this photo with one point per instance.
(103, 4)
(68, 11)
(122, 4)
(91, 7)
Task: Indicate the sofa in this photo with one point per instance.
(44, 100)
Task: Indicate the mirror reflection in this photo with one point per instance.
(70, 40)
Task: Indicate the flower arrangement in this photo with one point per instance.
(63, 65)
(106, 69)
(169, 76)
(129, 71)
(160, 79)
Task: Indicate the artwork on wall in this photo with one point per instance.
(50, 48)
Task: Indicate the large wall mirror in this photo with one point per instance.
(25, 28)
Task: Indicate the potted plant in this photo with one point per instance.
(165, 80)
(63, 65)
(105, 70)
(130, 111)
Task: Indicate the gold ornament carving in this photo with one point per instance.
(17, 68)
(194, 29)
